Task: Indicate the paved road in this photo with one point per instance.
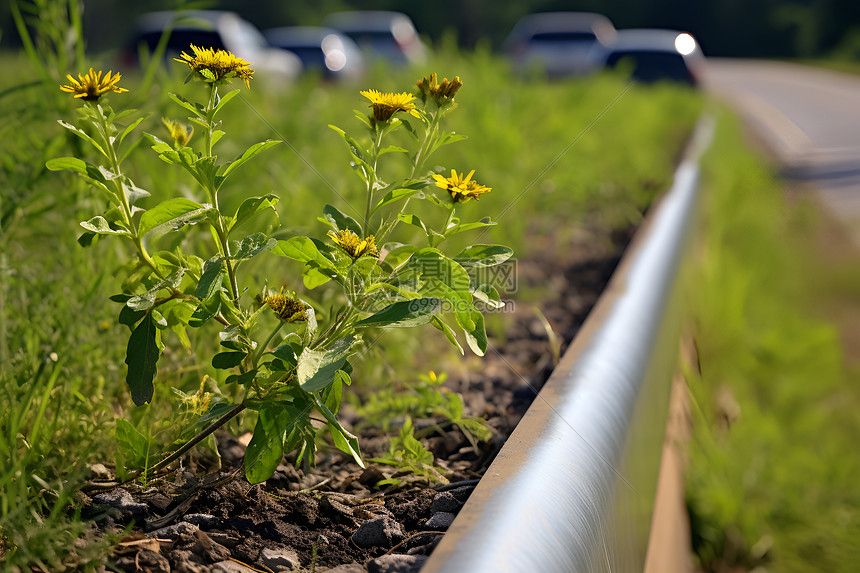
(810, 119)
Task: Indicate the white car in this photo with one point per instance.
(221, 31)
(389, 36)
(559, 44)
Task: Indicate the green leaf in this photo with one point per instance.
(248, 155)
(210, 279)
(146, 300)
(303, 249)
(100, 226)
(83, 135)
(343, 440)
(316, 368)
(159, 146)
(476, 338)
(266, 448)
(222, 101)
(253, 245)
(454, 229)
(404, 314)
(141, 357)
(207, 308)
(414, 221)
(392, 149)
(196, 109)
(227, 360)
(132, 448)
(244, 378)
(340, 221)
(334, 392)
(313, 275)
(129, 128)
(250, 207)
(449, 333)
(484, 255)
(173, 213)
(287, 354)
(395, 195)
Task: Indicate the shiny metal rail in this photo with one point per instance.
(573, 488)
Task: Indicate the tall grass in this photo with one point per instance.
(773, 460)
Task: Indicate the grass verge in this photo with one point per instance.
(772, 477)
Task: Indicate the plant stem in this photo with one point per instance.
(197, 439)
(371, 180)
(262, 348)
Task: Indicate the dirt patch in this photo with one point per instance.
(333, 515)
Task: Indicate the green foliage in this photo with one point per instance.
(425, 398)
(772, 474)
(408, 454)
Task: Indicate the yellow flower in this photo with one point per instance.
(387, 104)
(288, 308)
(180, 132)
(92, 86)
(443, 94)
(217, 65)
(354, 246)
(461, 188)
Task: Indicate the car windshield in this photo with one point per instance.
(649, 66)
(562, 37)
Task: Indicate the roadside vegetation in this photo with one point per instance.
(67, 413)
(772, 476)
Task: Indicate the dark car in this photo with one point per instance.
(218, 30)
(324, 50)
(390, 36)
(559, 43)
(656, 55)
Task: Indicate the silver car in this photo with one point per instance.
(559, 44)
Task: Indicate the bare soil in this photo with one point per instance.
(333, 516)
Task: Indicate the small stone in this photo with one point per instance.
(122, 500)
(378, 532)
(225, 538)
(230, 567)
(144, 560)
(397, 564)
(445, 501)
(208, 549)
(280, 560)
(187, 562)
(201, 520)
(463, 492)
(182, 531)
(440, 520)
(371, 475)
(347, 568)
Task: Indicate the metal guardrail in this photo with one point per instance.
(573, 488)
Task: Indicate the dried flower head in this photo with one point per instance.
(353, 245)
(442, 94)
(217, 66)
(91, 86)
(179, 132)
(288, 308)
(386, 105)
(461, 188)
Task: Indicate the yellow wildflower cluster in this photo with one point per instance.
(386, 105)
(179, 132)
(443, 94)
(461, 188)
(288, 308)
(217, 65)
(91, 86)
(353, 245)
